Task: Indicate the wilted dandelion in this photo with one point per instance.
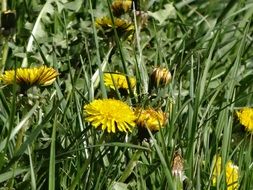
(122, 26)
(42, 76)
(110, 115)
(178, 166)
(120, 7)
(150, 118)
(245, 116)
(118, 81)
(231, 173)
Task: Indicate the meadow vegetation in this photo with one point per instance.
(120, 95)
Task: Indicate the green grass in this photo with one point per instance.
(45, 142)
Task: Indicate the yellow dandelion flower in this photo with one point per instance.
(150, 118)
(232, 173)
(42, 75)
(110, 114)
(245, 116)
(122, 26)
(120, 7)
(118, 81)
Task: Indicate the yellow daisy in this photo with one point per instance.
(120, 7)
(110, 114)
(42, 75)
(118, 81)
(245, 116)
(150, 118)
(122, 26)
(232, 173)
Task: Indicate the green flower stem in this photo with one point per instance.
(19, 141)
(18, 144)
(4, 5)
(21, 132)
(5, 41)
(179, 183)
(85, 166)
(5, 51)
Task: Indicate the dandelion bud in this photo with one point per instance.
(160, 77)
(8, 22)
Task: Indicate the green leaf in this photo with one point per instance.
(164, 14)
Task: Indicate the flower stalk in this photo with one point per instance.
(5, 41)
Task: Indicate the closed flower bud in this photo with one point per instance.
(160, 77)
(8, 22)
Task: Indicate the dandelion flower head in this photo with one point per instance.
(245, 117)
(232, 173)
(118, 81)
(122, 26)
(110, 114)
(120, 7)
(42, 76)
(150, 118)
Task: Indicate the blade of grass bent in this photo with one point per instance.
(8, 175)
(35, 132)
(19, 126)
(36, 27)
(165, 167)
(130, 166)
